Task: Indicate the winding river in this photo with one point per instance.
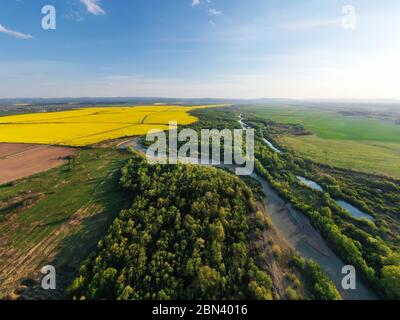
(297, 231)
(302, 236)
(268, 143)
(352, 210)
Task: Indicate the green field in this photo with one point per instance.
(375, 157)
(350, 142)
(334, 126)
(58, 216)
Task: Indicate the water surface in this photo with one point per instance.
(309, 183)
(354, 212)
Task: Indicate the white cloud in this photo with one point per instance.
(93, 6)
(214, 12)
(15, 34)
(195, 2)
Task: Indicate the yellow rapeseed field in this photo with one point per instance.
(87, 126)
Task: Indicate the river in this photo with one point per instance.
(302, 236)
(295, 228)
(267, 142)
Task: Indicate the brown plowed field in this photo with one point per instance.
(23, 160)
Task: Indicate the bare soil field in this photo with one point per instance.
(23, 160)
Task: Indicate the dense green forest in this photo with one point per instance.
(186, 236)
(192, 232)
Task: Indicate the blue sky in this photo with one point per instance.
(204, 48)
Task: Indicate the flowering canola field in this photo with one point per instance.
(87, 126)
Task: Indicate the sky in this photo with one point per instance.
(300, 49)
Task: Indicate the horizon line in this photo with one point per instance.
(387, 100)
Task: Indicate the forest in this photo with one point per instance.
(192, 232)
(186, 236)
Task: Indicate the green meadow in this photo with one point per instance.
(358, 143)
(332, 125)
(374, 157)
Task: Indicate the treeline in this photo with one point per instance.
(211, 118)
(377, 195)
(317, 282)
(187, 235)
(274, 128)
